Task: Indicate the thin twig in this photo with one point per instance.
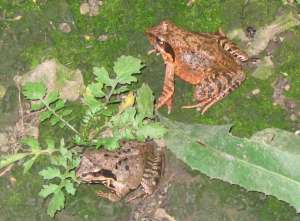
(59, 117)
(6, 170)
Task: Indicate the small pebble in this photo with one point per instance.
(250, 32)
(287, 87)
(297, 132)
(293, 117)
(65, 27)
(103, 37)
(255, 91)
(84, 8)
(290, 104)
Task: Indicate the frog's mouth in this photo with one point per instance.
(98, 176)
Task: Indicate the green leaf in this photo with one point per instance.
(251, 163)
(45, 115)
(9, 159)
(52, 96)
(37, 106)
(121, 90)
(50, 143)
(145, 101)
(151, 130)
(69, 186)
(34, 90)
(48, 189)
(31, 142)
(92, 103)
(50, 173)
(54, 120)
(65, 153)
(125, 67)
(56, 203)
(95, 89)
(110, 143)
(65, 112)
(28, 164)
(59, 105)
(102, 76)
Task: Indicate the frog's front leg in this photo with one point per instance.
(168, 88)
(111, 196)
(118, 190)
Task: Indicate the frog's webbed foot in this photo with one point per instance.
(168, 89)
(201, 106)
(109, 195)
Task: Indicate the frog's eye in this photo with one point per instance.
(159, 41)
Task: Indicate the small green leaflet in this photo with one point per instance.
(28, 164)
(52, 97)
(151, 130)
(125, 67)
(56, 203)
(31, 142)
(69, 186)
(48, 189)
(34, 90)
(50, 173)
(95, 89)
(145, 101)
(102, 76)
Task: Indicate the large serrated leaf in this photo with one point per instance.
(252, 164)
(125, 67)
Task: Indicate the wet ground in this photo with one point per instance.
(32, 31)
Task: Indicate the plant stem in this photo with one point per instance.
(59, 117)
(113, 87)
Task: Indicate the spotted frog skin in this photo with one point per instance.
(210, 61)
(135, 166)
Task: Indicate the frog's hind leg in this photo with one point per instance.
(168, 89)
(214, 88)
(231, 47)
(113, 197)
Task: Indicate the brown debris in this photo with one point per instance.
(292, 107)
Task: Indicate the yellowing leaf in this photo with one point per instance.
(127, 102)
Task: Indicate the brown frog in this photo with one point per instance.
(210, 61)
(135, 166)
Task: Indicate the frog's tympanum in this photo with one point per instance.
(210, 61)
(133, 171)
